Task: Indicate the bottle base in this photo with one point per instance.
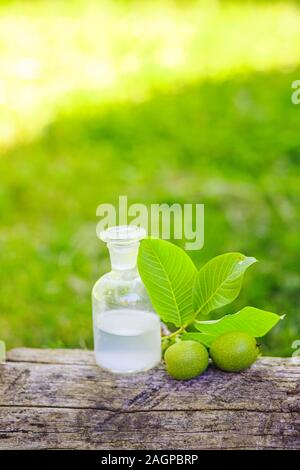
(127, 371)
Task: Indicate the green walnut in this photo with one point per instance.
(186, 359)
(234, 351)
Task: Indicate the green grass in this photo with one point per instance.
(217, 128)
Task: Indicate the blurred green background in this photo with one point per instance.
(164, 101)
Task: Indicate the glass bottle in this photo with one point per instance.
(127, 332)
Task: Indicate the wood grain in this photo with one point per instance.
(59, 399)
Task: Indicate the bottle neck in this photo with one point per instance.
(123, 256)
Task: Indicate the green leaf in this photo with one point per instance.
(200, 337)
(219, 282)
(168, 274)
(250, 320)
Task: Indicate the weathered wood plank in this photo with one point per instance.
(51, 356)
(61, 428)
(271, 382)
(60, 399)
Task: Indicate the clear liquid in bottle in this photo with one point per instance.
(127, 340)
(127, 330)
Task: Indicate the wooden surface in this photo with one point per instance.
(59, 399)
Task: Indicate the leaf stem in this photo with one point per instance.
(175, 333)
